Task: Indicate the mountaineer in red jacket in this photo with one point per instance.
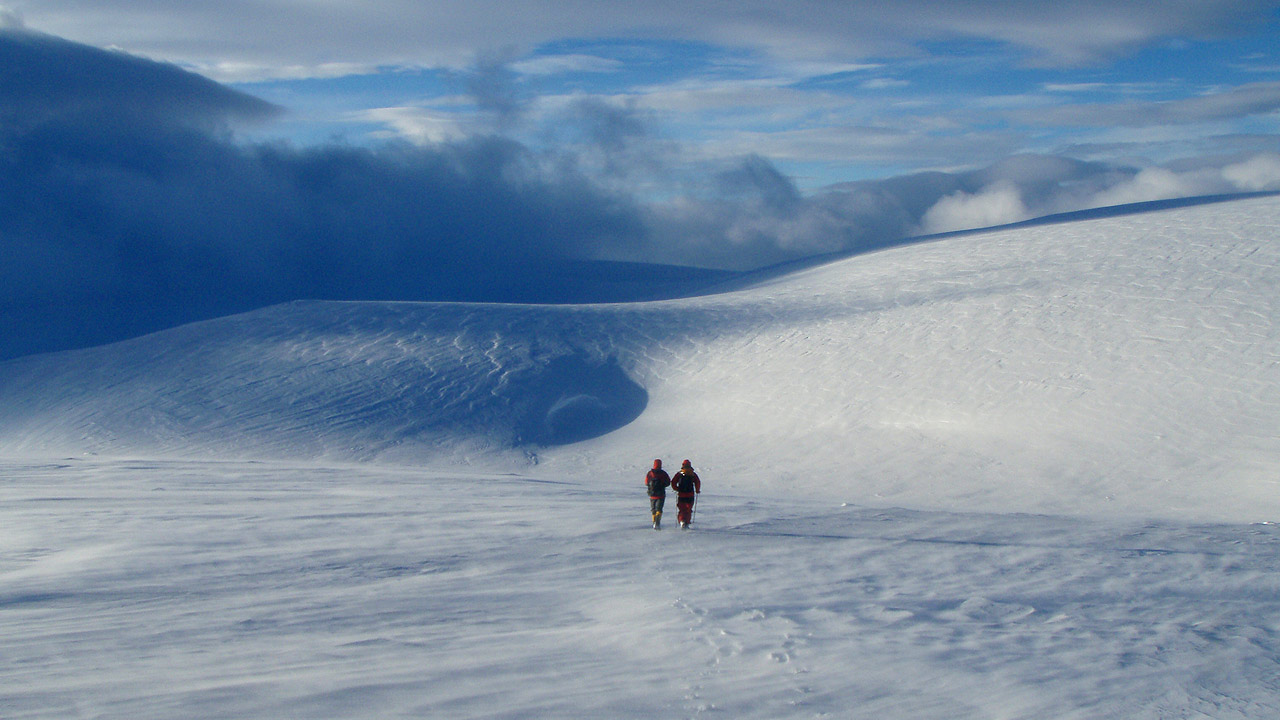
(687, 485)
(657, 481)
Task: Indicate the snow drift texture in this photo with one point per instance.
(1121, 363)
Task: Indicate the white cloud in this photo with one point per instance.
(243, 72)
(997, 204)
(884, 84)
(415, 124)
(1150, 184)
(804, 69)
(913, 142)
(764, 94)
(439, 33)
(1256, 174)
(1232, 103)
(1074, 87)
(559, 64)
(1259, 173)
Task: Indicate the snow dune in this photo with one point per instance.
(1123, 364)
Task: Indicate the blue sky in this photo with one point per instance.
(227, 155)
(827, 91)
(944, 105)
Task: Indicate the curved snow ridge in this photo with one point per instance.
(1128, 363)
(337, 380)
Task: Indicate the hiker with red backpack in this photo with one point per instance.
(687, 485)
(657, 481)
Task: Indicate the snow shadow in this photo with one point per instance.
(573, 398)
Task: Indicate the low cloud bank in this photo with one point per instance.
(1016, 196)
(127, 203)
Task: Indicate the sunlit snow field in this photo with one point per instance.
(1023, 473)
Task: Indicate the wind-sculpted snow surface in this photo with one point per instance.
(347, 380)
(144, 589)
(1121, 364)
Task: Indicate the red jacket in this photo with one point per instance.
(682, 485)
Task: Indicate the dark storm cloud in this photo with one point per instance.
(46, 77)
(121, 187)
(610, 128)
(494, 87)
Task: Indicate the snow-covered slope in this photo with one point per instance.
(490, 554)
(1120, 364)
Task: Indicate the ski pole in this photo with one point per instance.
(694, 511)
